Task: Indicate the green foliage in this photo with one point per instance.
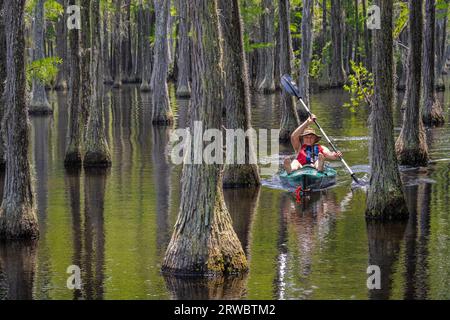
(360, 86)
(316, 67)
(402, 19)
(53, 10)
(441, 9)
(44, 70)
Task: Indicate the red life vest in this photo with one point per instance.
(309, 154)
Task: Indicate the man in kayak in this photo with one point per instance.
(305, 142)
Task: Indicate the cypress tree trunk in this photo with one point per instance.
(237, 95)
(127, 64)
(266, 61)
(39, 103)
(184, 72)
(307, 42)
(117, 55)
(289, 116)
(18, 217)
(411, 145)
(357, 57)
(203, 241)
(146, 51)
(162, 113)
(337, 67)
(73, 149)
(432, 113)
(106, 52)
(85, 60)
(97, 150)
(2, 80)
(138, 31)
(440, 38)
(61, 49)
(385, 198)
(367, 51)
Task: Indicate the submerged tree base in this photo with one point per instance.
(162, 121)
(435, 117)
(18, 222)
(96, 159)
(72, 159)
(183, 92)
(387, 206)
(43, 109)
(415, 156)
(241, 176)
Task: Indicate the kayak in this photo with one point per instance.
(309, 178)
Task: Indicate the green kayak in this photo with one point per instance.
(309, 178)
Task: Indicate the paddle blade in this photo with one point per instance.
(289, 86)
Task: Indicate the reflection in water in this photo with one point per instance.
(115, 225)
(232, 287)
(242, 205)
(94, 235)
(384, 246)
(303, 228)
(160, 140)
(17, 269)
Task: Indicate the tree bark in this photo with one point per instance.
(18, 219)
(357, 57)
(432, 113)
(96, 148)
(337, 67)
(138, 31)
(368, 53)
(86, 84)
(307, 43)
(3, 49)
(237, 95)
(385, 197)
(289, 116)
(106, 53)
(61, 49)
(184, 72)
(162, 113)
(203, 241)
(117, 55)
(266, 59)
(73, 149)
(146, 51)
(411, 145)
(39, 103)
(127, 63)
(441, 38)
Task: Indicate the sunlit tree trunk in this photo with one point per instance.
(73, 149)
(289, 116)
(96, 148)
(39, 103)
(184, 72)
(146, 50)
(432, 113)
(117, 55)
(162, 113)
(106, 53)
(85, 60)
(307, 42)
(203, 241)
(411, 145)
(266, 60)
(385, 197)
(337, 66)
(61, 49)
(367, 51)
(441, 40)
(2, 80)
(18, 217)
(237, 95)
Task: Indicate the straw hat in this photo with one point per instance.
(309, 131)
